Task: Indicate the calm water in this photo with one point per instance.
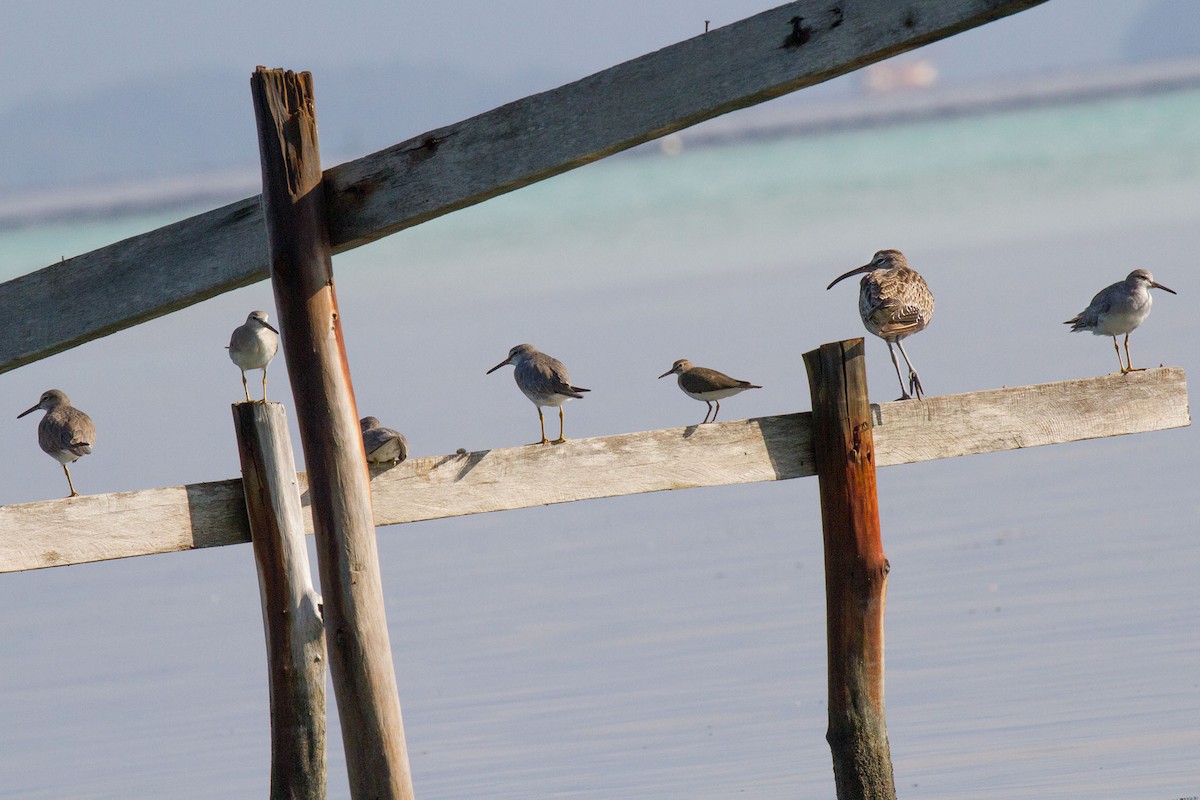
(1043, 634)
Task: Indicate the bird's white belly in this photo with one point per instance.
(715, 394)
(537, 398)
(254, 354)
(1118, 321)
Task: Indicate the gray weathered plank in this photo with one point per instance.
(98, 527)
(529, 140)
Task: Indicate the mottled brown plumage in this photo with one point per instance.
(894, 302)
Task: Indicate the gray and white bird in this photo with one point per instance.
(707, 385)
(894, 302)
(252, 346)
(66, 434)
(544, 380)
(383, 445)
(1119, 309)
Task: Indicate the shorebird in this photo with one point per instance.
(252, 346)
(66, 434)
(701, 383)
(1119, 309)
(894, 302)
(544, 380)
(383, 445)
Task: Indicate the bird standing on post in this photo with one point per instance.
(1119, 309)
(894, 302)
(544, 380)
(66, 434)
(252, 346)
(708, 385)
(382, 445)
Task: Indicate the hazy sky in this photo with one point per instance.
(71, 46)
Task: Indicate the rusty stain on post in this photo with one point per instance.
(855, 571)
(294, 206)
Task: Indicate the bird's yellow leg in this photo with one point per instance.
(1129, 360)
(560, 438)
(542, 419)
(264, 384)
(245, 386)
(69, 482)
(1117, 347)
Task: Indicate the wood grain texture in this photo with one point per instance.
(99, 527)
(855, 570)
(291, 607)
(526, 141)
(360, 653)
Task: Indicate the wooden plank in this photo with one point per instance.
(733, 67)
(98, 527)
(360, 654)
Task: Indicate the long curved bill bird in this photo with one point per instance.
(252, 346)
(894, 302)
(66, 434)
(707, 385)
(1119, 309)
(544, 380)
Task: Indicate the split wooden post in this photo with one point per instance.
(360, 655)
(855, 571)
(291, 608)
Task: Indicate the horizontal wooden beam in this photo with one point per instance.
(99, 527)
(733, 67)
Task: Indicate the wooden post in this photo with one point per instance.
(855, 571)
(360, 655)
(291, 608)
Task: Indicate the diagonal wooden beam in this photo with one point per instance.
(526, 141)
(99, 527)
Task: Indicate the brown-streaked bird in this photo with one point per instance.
(382, 445)
(894, 302)
(66, 434)
(544, 380)
(1119, 309)
(707, 385)
(252, 346)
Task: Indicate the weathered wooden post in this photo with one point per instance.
(291, 608)
(360, 655)
(855, 571)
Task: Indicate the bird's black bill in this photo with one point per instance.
(1164, 288)
(498, 366)
(855, 271)
(28, 411)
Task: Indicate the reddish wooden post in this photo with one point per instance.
(291, 608)
(360, 655)
(855, 571)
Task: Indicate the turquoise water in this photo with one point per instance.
(1042, 603)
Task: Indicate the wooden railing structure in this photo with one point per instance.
(305, 215)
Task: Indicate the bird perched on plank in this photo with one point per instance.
(382, 445)
(1119, 309)
(252, 346)
(894, 302)
(544, 380)
(708, 385)
(66, 434)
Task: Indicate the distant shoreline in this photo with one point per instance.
(115, 199)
